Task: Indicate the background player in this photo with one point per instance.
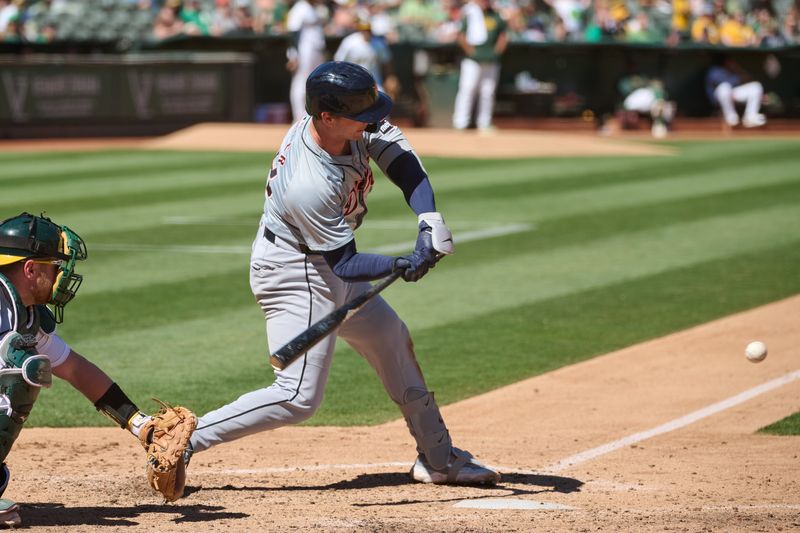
(305, 24)
(305, 264)
(483, 38)
(37, 267)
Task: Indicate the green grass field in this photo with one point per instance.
(788, 426)
(558, 260)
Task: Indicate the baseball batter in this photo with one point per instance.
(37, 267)
(305, 263)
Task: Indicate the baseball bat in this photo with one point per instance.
(322, 328)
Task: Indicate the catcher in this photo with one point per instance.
(37, 267)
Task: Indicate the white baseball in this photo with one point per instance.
(756, 351)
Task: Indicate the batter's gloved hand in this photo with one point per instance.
(414, 266)
(441, 239)
(165, 437)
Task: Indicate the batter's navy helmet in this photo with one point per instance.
(347, 90)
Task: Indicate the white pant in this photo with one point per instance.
(307, 61)
(475, 79)
(294, 291)
(727, 95)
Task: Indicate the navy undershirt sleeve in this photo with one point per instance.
(407, 173)
(350, 265)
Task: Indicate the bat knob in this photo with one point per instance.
(276, 363)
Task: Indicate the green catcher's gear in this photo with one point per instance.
(26, 236)
(21, 377)
(22, 371)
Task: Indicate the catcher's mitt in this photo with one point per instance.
(165, 437)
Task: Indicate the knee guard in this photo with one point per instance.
(21, 376)
(427, 427)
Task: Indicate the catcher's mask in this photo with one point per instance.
(26, 236)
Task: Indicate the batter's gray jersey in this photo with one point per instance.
(316, 199)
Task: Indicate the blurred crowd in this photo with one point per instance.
(734, 23)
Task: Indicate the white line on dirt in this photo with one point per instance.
(672, 425)
(309, 468)
(507, 503)
(465, 236)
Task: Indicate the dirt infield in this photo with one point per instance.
(656, 437)
(692, 460)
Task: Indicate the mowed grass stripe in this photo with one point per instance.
(536, 275)
(130, 188)
(227, 351)
(521, 207)
(524, 200)
(553, 175)
(550, 234)
(57, 168)
(142, 268)
(521, 278)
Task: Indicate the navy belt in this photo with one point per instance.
(302, 248)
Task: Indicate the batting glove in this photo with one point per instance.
(414, 266)
(441, 237)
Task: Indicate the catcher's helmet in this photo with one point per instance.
(347, 90)
(26, 236)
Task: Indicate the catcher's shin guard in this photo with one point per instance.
(427, 427)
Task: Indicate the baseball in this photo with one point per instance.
(756, 351)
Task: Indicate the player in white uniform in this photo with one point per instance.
(304, 23)
(305, 264)
(37, 267)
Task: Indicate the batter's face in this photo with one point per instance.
(350, 130)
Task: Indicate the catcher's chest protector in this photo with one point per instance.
(22, 371)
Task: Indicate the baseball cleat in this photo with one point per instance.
(463, 469)
(9, 513)
(754, 121)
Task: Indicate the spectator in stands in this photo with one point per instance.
(344, 18)
(483, 38)
(767, 33)
(734, 31)
(447, 31)
(195, 21)
(305, 24)
(382, 23)
(681, 20)
(528, 24)
(243, 18)
(704, 28)
(8, 12)
(167, 24)
(223, 19)
(639, 29)
(418, 19)
(791, 26)
(728, 84)
(269, 17)
(571, 13)
(602, 26)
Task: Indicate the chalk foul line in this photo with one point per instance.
(672, 425)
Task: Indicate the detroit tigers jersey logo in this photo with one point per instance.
(357, 198)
